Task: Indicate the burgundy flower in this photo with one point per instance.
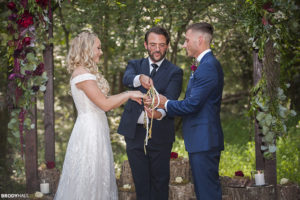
(26, 41)
(193, 68)
(50, 164)
(13, 17)
(174, 155)
(26, 20)
(11, 29)
(39, 70)
(35, 88)
(24, 3)
(42, 3)
(239, 173)
(267, 6)
(11, 6)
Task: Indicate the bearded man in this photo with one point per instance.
(151, 166)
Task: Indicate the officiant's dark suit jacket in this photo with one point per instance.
(151, 171)
(168, 82)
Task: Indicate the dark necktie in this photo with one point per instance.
(153, 72)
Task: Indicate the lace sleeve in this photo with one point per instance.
(83, 77)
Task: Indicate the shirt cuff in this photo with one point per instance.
(136, 81)
(163, 113)
(166, 104)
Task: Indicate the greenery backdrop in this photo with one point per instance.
(121, 26)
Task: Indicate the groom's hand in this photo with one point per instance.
(146, 81)
(162, 101)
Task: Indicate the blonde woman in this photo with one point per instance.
(88, 170)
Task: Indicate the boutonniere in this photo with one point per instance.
(194, 66)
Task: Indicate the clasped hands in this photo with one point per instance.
(147, 82)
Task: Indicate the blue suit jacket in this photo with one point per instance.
(200, 109)
(167, 81)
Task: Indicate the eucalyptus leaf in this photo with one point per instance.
(42, 88)
(272, 148)
(260, 116)
(16, 134)
(263, 148)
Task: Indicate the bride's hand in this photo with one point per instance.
(137, 96)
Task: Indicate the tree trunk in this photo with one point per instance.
(49, 96)
(257, 73)
(31, 167)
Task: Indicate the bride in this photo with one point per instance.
(88, 170)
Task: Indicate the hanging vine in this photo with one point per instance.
(266, 22)
(26, 71)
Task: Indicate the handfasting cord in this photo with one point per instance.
(152, 93)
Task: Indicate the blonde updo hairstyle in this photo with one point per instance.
(81, 53)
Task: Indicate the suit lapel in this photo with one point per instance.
(160, 72)
(145, 67)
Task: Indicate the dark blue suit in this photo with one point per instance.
(202, 129)
(150, 172)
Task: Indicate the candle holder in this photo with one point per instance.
(258, 178)
(44, 187)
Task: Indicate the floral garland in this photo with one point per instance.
(27, 74)
(265, 21)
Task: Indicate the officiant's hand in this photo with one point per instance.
(146, 81)
(137, 96)
(156, 114)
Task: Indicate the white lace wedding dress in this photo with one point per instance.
(88, 169)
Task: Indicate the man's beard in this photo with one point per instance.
(152, 55)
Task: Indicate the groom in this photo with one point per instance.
(200, 110)
(151, 168)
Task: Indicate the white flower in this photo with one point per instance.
(127, 186)
(178, 179)
(38, 194)
(284, 181)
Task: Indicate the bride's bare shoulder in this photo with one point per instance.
(79, 71)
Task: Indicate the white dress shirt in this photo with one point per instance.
(199, 58)
(137, 83)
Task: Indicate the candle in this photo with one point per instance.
(259, 178)
(44, 187)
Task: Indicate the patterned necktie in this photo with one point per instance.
(153, 72)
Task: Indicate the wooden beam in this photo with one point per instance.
(257, 74)
(31, 166)
(49, 96)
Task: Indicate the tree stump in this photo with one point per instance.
(126, 175)
(181, 191)
(51, 176)
(180, 167)
(288, 192)
(127, 195)
(252, 193)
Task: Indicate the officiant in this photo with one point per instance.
(150, 164)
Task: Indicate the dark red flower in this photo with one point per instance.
(10, 29)
(26, 20)
(50, 164)
(11, 5)
(174, 155)
(24, 3)
(13, 17)
(239, 173)
(39, 70)
(42, 3)
(26, 41)
(35, 88)
(267, 6)
(193, 68)
(264, 21)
